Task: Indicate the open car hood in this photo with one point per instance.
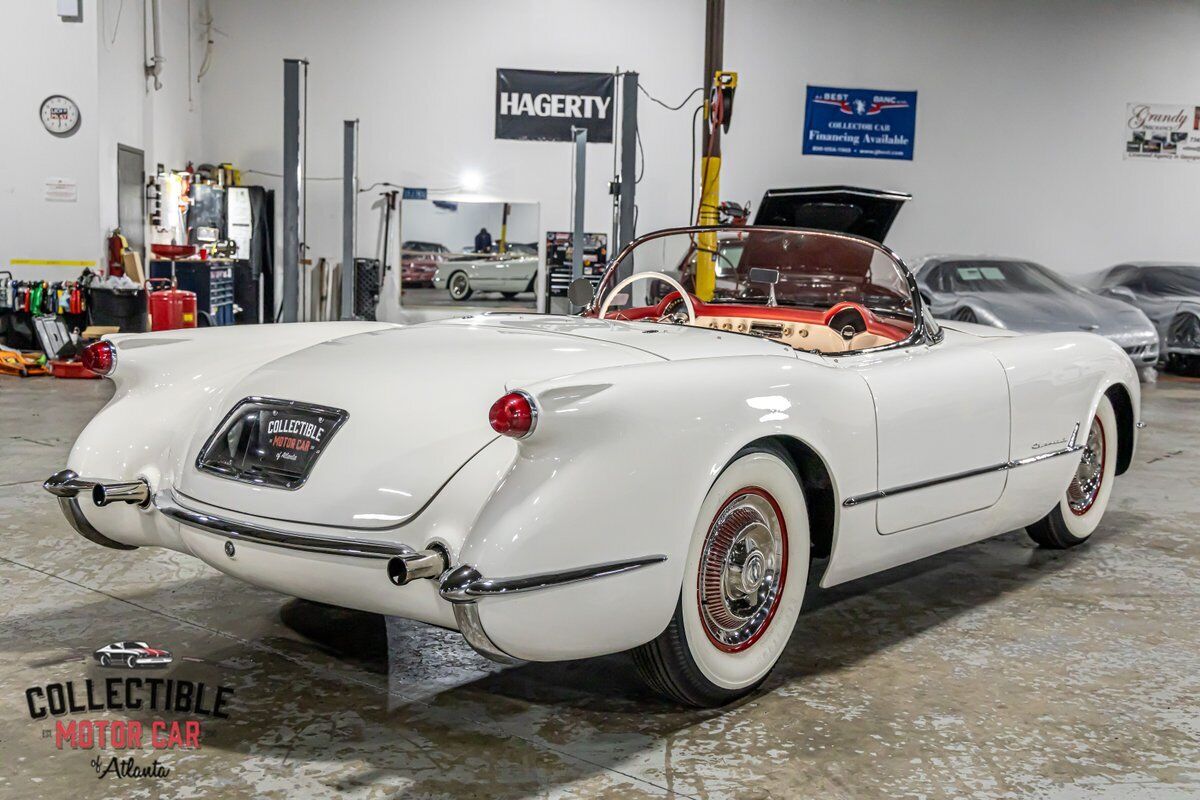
(842, 209)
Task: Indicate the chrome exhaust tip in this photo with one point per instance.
(135, 492)
(407, 568)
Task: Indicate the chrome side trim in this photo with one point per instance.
(74, 515)
(1071, 447)
(467, 617)
(465, 584)
(239, 531)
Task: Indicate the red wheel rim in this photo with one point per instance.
(742, 571)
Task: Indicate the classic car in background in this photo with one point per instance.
(1169, 294)
(1021, 296)
(419, 262)
(132, 655)
(510, 274)
(654, 478)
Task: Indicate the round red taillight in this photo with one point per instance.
(99, 357)
(513, 415)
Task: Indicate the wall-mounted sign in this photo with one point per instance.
(61, 190)
(414, 193)
(544, 106)
(1162, 131)
(860, 123)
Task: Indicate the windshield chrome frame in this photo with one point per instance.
(921, 333)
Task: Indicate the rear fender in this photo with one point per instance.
(616, 469)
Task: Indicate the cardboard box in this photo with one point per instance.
(92, 332)
(133, 267)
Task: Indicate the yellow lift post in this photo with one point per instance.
(718, 107)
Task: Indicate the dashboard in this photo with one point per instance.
(843, 328)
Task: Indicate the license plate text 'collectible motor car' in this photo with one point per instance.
(657, 477)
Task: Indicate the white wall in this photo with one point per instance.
(163, 123)
(1020, 120)
(32, 228)
(421, 78)
(1019, 141)
(99, 64)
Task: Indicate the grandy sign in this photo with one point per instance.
(544, 106)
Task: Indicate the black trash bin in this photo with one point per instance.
(124, 308)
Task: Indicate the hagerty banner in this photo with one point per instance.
(860, 123)
(1155, 130)
(544, 106)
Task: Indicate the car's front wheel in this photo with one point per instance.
(131, 662)
(459, 286)
(1081, 508)
(743, 585)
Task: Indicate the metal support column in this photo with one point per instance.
(625, 216)
(710, 164)
(349, 214)
(291, 188)
(577, 236)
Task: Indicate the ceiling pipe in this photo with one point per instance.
(154, 68)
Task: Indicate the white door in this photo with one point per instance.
(943, 418)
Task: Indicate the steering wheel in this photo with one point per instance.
(638, 276)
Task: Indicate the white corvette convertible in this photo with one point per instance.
(659, 478)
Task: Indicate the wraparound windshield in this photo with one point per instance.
(817, 270)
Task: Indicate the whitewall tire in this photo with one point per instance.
(1082, 506)
(743, 585)
(459, 286)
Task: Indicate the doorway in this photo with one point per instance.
(131, 197)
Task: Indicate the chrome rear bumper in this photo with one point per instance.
(66, 485)
(462, 586)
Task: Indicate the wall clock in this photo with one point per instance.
(60, 115)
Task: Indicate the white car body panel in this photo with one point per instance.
(491, 274)
(635, 422)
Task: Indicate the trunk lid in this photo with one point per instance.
(842, 209)
(416, 401)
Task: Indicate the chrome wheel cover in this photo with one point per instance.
(1085, 486)
(459, 285)
(741, 569)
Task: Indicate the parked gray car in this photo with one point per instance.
(1026, 297)
(1169, 294)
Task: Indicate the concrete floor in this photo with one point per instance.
(994, 671)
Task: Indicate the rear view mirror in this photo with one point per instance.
(763, 275)
(767, 276)
(1120, 293)
(580, 292)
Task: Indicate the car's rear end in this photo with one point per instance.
(348, 470)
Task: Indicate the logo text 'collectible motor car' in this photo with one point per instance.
(132, 655)
(650, 477)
